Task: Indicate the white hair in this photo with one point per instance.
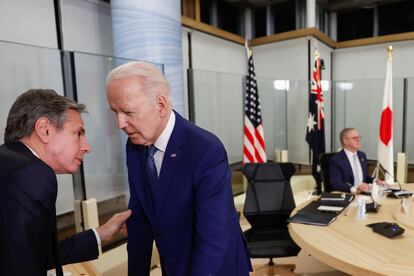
(149, 76)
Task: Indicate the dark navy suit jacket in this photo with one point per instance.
(191, 215)
(28, 189)
(340, 171)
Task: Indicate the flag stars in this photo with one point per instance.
(311, 122)
(252, 105)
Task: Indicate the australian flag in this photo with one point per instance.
(315, 134)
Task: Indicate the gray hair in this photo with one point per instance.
(34, 104)
(343, 133)
(149, 76)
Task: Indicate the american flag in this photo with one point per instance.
(254, 144)
(315, 135)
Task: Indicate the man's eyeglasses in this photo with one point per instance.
(355, 138)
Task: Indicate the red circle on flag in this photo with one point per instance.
(386, 126)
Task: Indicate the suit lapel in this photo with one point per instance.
(348, 167)
(140, 181)
(362, 160)
(172, 157)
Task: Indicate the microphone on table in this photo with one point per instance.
(387, 172)
(396, 193)
(373, 206)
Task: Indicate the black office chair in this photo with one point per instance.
(324, 163)
(269, 202)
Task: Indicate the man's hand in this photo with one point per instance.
(364, 187)
(113, 226)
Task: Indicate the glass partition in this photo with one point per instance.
(358, 104)
(274, 116)
(297, 106)
(104, 167)
(218, 107)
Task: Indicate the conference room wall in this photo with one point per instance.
(215, 54)
(86, 25)
(28, 22)
(368, 62)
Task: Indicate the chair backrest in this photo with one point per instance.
(269, 199)
(324, 163)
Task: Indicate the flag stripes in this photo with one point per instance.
(254, 150)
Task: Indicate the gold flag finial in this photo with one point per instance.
(389, 49)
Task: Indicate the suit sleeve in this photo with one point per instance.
(336, 177)
(212, 211)
(77, 248)
(140, 239)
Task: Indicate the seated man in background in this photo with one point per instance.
(44, 136)
(348, 170)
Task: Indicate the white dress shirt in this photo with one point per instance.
(162, 142)
(351, 156)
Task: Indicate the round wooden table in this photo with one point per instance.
(349, 245)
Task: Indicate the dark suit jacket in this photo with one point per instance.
(28, 189)
(340, 171)
(191, 214)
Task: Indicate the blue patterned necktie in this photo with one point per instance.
(150, 166)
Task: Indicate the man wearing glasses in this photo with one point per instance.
(348, 170)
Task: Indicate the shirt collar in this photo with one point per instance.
(34, 153)
(162, 141)
(350, 154)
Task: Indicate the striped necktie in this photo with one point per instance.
(150, 166)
